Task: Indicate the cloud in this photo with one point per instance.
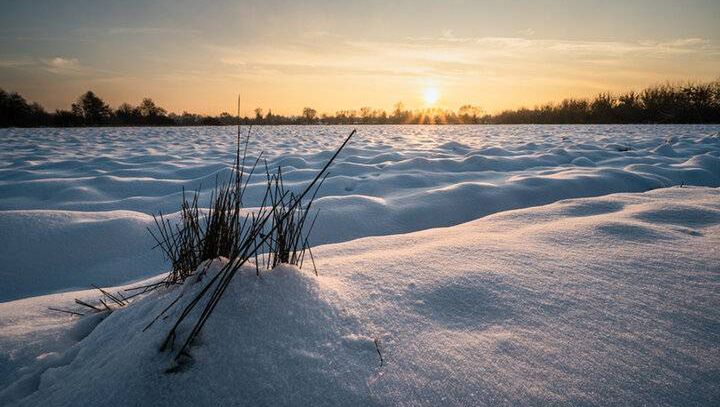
(528, 32)
(148, 31)
(64, 63)
(687, 43)
(319, 34)
(15, 63)
(63, 66)
(55, 65)
(68, 67)
(232, 61)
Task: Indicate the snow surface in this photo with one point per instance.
(610, 299)
(59, 187)
(597, 301)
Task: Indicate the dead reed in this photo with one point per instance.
(203, 235)
(275, 233)
(280, 225)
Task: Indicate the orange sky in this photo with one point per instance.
(284, 55)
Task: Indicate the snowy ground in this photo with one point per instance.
(606, 300)
(60, 190)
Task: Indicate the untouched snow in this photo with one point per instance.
(598, 301)
(566, 265)
(74, 204)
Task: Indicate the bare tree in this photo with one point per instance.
(309, 114)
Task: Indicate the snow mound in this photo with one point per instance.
(664, 149)
(271, 339)
(49, 251)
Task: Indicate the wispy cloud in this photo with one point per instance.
(450, 56)
(14, 63)
(148, 31)
(528, 32)
(63, 66)
(499, 71)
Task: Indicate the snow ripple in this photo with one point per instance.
(389, 180)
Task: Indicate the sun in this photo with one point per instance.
(431, 95)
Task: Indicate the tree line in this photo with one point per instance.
(667, 103)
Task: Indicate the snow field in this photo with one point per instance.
(596, 301)
(91, 190)
(488, 265)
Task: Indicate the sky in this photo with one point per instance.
(332, 55)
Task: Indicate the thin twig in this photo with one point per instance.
(65, 311)
(377, 348)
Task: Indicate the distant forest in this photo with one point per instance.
(667, 103)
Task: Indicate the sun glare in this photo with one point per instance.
(431, 95)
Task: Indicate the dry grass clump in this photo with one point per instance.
(274, 233)
(277, 233)
(288, 241)
(203, 235)
(226, 228)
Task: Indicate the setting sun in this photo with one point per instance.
(431, 95)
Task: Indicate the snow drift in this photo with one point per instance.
(59, 187)
(597, 301)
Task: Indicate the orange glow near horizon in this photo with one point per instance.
(348, 55)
